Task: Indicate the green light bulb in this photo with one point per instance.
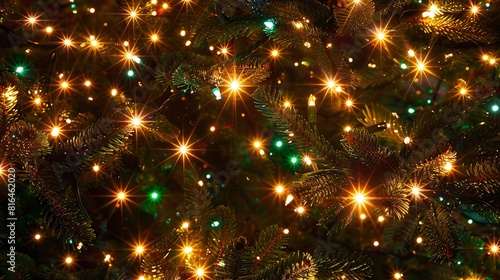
(294, 160)
(154, 195)
(279, 144)
(19, 69)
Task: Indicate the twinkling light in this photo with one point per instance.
(359, 198)
(463, 91)
(347, 128)
(185, 225)
(64, 85)
(411, 53)
(289, 199)
(121, 196)
(407, 140)
(349, 103)
(38, 101)
(183, 149)
(38, 236)
(398, 275)
(330, 84)
(307, 160)
(95, 168)
(494, 248)
(419, 240)
(187, 249)
(362, 216)
(68, 260)
(381, 36)
(136, 121)
(287, 104)
(300, 210)
(139, 249)
(32, 20)
(141, 277)
(200, 272)
(485, 57)
(212, 128)
(257, 144)
(474, 9)
(376, 243)
(286, 231)
(55, 131)
(279, 189)
(415, 191)
(235, 85)
(274, 53)
(114, 92)
(183, 33)
(107, 258)
(448, 166)
(67, 42)
(49, 29)
(381, 218)
(224, 51)
(88, 83)
(154, 37)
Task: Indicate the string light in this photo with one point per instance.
(300, 210)
(38, 236)
(212, 128)
(200, 272)
(398, 275)
(136, 122)
(107, 258)
(419, 240)
(38, 101)
(185, 225)
(114, 92)
(68, 260)
(359, 198)
(121, 196)
(183, 149)
(494, 248)
(381, 218)
(88, 83)
(187, 250)
(64, 85)
(139, 249)
(415, 191)
(448, 166)
(154, 37)
(32, 20)
(280, 189)
(362, 216)
(49, 29)
(376, 243)
(289, 199)
(257, 144)
(235, 85)
(95, 168)
(349, 103)
(274, 53)
(286, 231)
(55, 131)
(474, 9)
(407, 140)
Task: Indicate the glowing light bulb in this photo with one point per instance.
(257, 144)
(64, 85)
(154, 37)
(286, 231)
(68, 260)
(307, 160)
(376, 243)
(88, 83)
(32, 20)
(274, 53)
(38, 236)
(224, 51)
(311, 101)
(114, 92)
(381, 36)
(200, 272)
(407, 140)
(49, 29)
(38, 100)
(92, 10)
(398, 275)
(183, 149)
(420, 66)
(300, 210)
(494, 248)
(415, 191)
(183, 33)
(164, 6)
(185, 225)
(212, 128)
(141, 278)
(362, 216)
(330, 84)
(287, 104)
(133, 14)
(289, 199)
(55, 131)
(67, 42)
(348, 103)
(107, 258)
(485, 57)
(492, 61)
(381, 218)
(419, 240)
(280, 189)
(235, 85)
(136, 122)
(347, 128)
(139, 249)
(95, 168)
(448, 166)
(474, 9)
(411, 53)
(121, 196)
(188, 249)
(359, 198)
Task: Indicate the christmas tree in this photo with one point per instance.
(249, 139)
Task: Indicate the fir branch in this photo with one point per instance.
(337, 215)
(198, 201)
(222, 233)
(440, 233)
(431, 168)
(297, 265)
(363, 146)
(63, 213)
(287, 121)
(8, 111)
(400, 235)
(342, 265)
(158, 261)
(394, 198)
(315, 187)
(237, 262)
(267, 248)
(354, 17)
(105, 136)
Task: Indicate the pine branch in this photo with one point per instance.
(342, 265)
(337, 215)
(222, 231)
(237, 262)
(354, 17)
(8, 111)
(105, 136)
(198, 201)
(63, 213)
(297, 265)
(400, 235)
(394, 198)
(159, 261)
(440, 233)
(315, 187)
(268, 247)
(363, 146)
(288, 121)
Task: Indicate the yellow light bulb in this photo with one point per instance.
(154, 37)
(330, 84)
(183, 149)
(121, 195)
(95, 168)
(359, 198)
(411, 53)
(376, 243)
(114, 92)
(287, 104)
(32, 20)
(68, 260)
(38, 236)
(107, 258)
(415, 191)
(300, 210)
(200, 272)
(235, 85)
(136, 122)
(188, 249)
(55, 131)
(49, 29)
(257, 144)
(494, 249)
(348, 103)
(88, 83)
(347, 128)
(474, 9)
(407, 140)
(419, 240)
(286, 231)
(381, 218)
(362, 216)
(463, 91)
(398, 275)
(224, 51)
(289, 199)
(139, 249)
(185, 225)
(280, 189)
(274, 53)
(448, 166)
(67, 42)
(38, 100)
(64, 85)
